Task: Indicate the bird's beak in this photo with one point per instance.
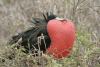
(57, 18)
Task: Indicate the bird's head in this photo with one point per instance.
(52, 17)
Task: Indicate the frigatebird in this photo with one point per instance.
(54, 35)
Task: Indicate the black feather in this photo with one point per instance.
(45, 18)
(31, 35)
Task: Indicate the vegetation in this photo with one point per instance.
(15, 16)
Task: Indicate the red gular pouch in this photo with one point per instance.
(62, 35)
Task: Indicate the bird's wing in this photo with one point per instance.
(31, 32)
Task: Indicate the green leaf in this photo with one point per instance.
(17, 24)
(1, 53)
(67, 3)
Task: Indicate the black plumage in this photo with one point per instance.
(30, 36)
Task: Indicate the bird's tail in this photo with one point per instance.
(15, 39)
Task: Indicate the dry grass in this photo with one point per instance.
(15, 16)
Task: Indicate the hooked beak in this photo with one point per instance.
(57, 18)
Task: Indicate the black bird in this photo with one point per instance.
(30, 37)
(52, 34)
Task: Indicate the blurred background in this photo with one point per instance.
(84, 14)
